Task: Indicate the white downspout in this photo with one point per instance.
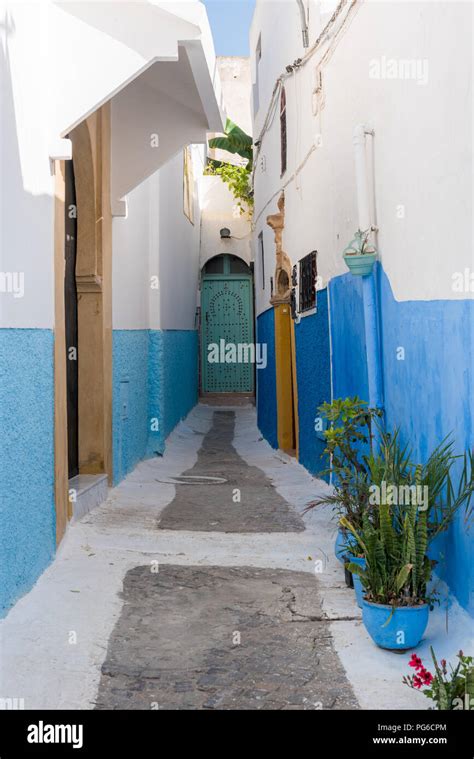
(304, 23)
(362, 178)
(369, 282)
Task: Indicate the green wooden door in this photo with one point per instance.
(227, 344)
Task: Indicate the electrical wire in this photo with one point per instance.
(295, 67)
(292, 70)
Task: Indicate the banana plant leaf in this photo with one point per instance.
(235, 141)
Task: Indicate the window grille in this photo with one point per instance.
(308, 274)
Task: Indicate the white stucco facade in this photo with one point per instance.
(156, 252)
(399, 69)
(218, 206)
(60, 61)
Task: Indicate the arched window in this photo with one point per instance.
(283, 130)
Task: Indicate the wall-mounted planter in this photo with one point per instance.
(397, 629)
(360, 264)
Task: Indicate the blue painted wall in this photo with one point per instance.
(130, 399)
(27, 511)
(266, 380)
(173, 381)
(349, 365)
(155, 385)
(314, 382)
(428, 395)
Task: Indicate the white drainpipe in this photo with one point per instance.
(304, 23)
(369, 283)
(362, 178)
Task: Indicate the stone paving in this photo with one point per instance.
(129, 623)
(222, 493)
(222, 638)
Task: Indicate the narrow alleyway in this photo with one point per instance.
(172, 595)
(223, 637)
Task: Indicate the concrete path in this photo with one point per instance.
(102, 603)
(222, 493)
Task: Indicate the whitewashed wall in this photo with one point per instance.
(157, 240)
(218, 206)
(51, 80)
(422, 145)
(26, 183)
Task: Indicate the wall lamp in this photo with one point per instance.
(226, 235)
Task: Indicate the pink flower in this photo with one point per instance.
(415, 662)
(426, 676)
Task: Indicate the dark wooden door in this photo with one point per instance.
(70, 302)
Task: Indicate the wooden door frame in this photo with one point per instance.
(286, 379)
(91, 152)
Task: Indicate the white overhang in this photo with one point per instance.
(157, 58)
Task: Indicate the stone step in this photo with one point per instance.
(91, 491)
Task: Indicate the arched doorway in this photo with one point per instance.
(228, 351)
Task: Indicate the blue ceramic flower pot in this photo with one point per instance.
(358, 587)
(344, 541)
(404, 630)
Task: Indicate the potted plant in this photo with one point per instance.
(356, 580)
(453, 690)
(395, 605)
(395, 536)
(349, 447)
(360, 254)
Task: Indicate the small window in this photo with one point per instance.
(261, 258)
(238, 266)
(215, 266)
(308, 274)
(283, 130)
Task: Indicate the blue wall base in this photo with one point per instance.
(428, 369)
(27, 509)
(155, 379)
(266, 380)
(314, 384)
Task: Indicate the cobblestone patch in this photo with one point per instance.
(222, 493)
(222, 638)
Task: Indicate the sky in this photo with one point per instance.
(230, 24)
